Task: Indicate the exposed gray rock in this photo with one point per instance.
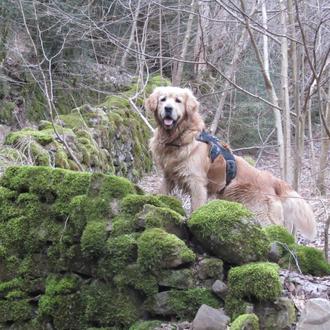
(316, 315)
(208, 318)
(276, 316)
(210, 268)
(220, 289)
(177, 279)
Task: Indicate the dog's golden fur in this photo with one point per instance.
(185, 162)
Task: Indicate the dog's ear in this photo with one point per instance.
(192, 104)
(151, 102)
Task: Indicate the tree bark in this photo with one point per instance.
(177, 77)
(325, 146)
(131, 37)
(285, 96)
(299, 129)
(231, 69)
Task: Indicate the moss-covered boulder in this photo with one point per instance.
(258, 281)
(279, 234)
(310, 260)
(245, 322)
(53, 235)
(252, 282)
(227, 230)
(81, 250)
(110, 137)
(158, 249)
(181, 303)
(277, 315)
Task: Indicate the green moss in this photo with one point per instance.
(40, 156)
(245, 321)
(135, 277)
(258, 281)
(310, 260)
(61, 159)
(58, 285)
(43, 137)
(121, 251)
(109, 306)
(65, 311)
(110, 186)
(236, 306)
(278, 234)
(73, 120)
(228, 230)
(158, 249)
(6, 112)
(161, 217)
(93, 239)
(12, 311)
(176, 278)
(184, 303)
(132, 204)
(211, 268)
(15, 283)
(146, 325)
(173, 203)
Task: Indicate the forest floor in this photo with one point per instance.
(298, 286)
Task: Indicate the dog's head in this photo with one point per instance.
(171, 105)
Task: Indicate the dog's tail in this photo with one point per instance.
(299, 214)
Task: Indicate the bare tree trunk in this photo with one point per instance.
(177, 77)
(264, 66)
(299, 131)
(285, 96)
(325, 146)
(160, 42)
(310, 137)
(131, 38)
(231, 69)
(202, 38)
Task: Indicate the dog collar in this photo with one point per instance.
(216, 149)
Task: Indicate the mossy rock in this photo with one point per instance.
(310, 260)
(280, 234)
(138, 279)
(121, 251)
(183, 304)
(228, 230)
(158, 250)
(176, 278)
(110, 306)
(161, 217)
(277, 315)
(146, 325)
(210, 268)
(173, 203)
(15, 310)
(93, 239)
(255, 281)
(6, 112)
(132, 204)
(245, 322)
(103, 139)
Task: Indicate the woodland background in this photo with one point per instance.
(260, 70)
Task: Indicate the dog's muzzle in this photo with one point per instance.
(168, 120)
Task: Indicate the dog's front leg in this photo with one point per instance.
(198, 194)
(166, 186)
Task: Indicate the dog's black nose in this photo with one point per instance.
(168, 110)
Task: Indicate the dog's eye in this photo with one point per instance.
(163, 99)
(177, 100)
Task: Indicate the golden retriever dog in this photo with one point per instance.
(186, 163)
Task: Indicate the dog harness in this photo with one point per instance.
(217, 149)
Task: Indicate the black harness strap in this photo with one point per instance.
(216, 149)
